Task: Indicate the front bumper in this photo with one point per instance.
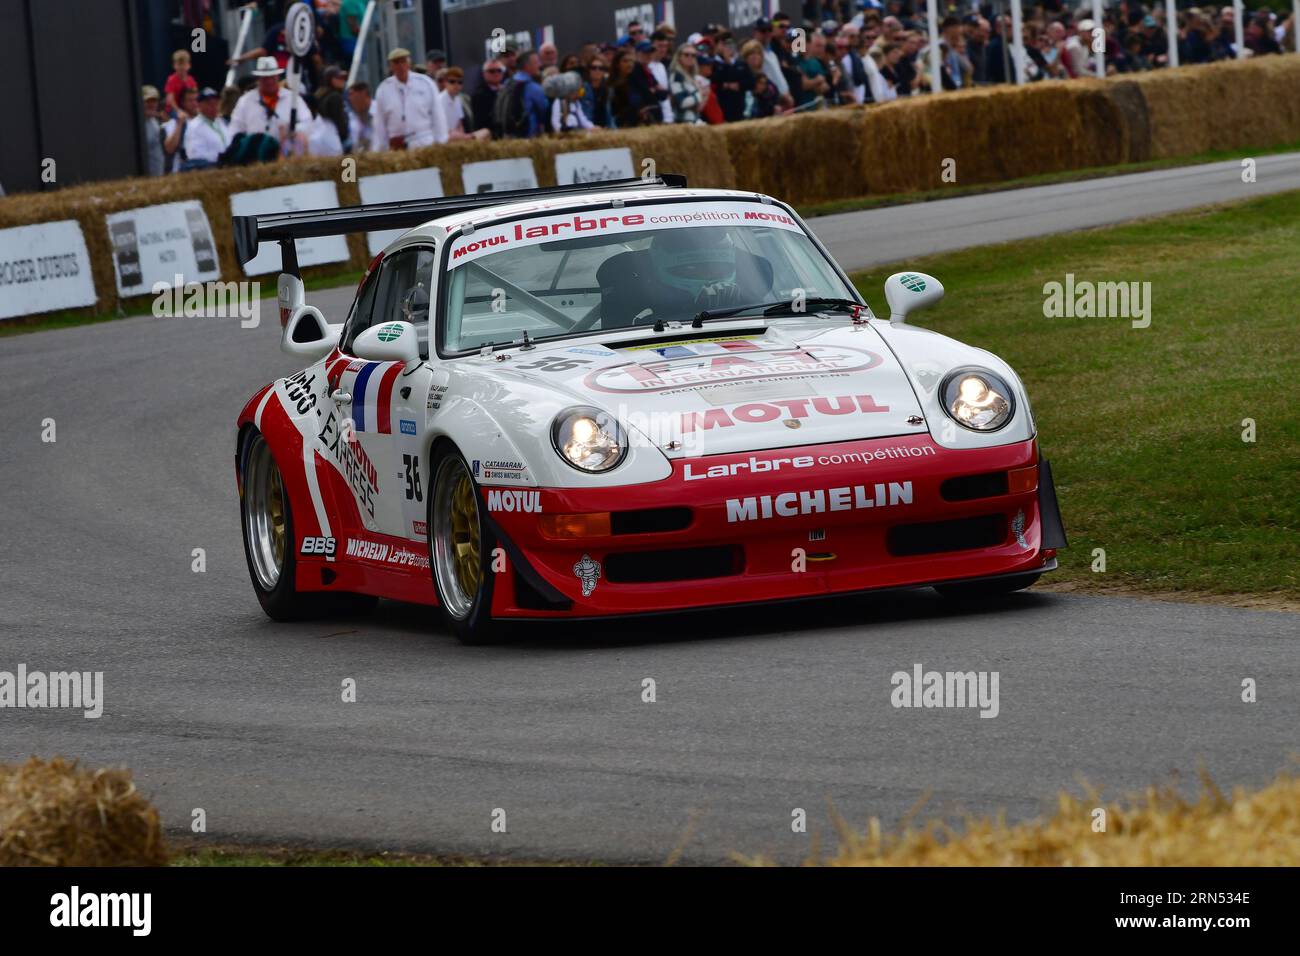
(778, 525)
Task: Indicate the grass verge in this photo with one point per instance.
(1144, 427)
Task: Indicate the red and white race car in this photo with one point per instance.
(624, 398)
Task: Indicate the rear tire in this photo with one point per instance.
(270, 543)
(977, 590)
(460, 549)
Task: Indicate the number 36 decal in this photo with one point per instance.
(413, 490)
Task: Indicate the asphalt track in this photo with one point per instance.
(758, 712)
(859, 240)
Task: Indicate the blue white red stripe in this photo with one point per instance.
(372, 395)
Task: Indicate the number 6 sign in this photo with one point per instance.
(299, 29)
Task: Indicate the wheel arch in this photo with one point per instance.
(476, 434)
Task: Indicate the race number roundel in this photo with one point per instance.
(299, 29)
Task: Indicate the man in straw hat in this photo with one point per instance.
(155, 160)
(409, 111)
(271, 110)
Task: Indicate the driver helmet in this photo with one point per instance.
(692, 259)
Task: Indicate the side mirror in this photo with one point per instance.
(388, 342)
(307, 334)
(908, 291)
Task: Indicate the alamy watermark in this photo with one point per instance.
(78, 690)
(951, 689)
(1083, 299)
(208, 300)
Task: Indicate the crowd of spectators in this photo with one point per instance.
(835, 53)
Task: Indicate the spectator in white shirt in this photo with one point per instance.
(883, 88)
(270, 110)
(205, 137)
(409, 112)
(174, 128)
(452, 81)
(881, 91)
(567, 115)
(658, 66)
(361, 117)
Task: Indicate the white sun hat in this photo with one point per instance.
(267, 66)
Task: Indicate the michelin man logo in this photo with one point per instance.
(588, 572)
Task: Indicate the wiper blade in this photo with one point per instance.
(772, 308)
(822, 304)
(707, 314)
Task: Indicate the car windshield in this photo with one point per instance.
(562, 275)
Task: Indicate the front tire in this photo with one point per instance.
(269, 543)
(978, 590)
(460, 550)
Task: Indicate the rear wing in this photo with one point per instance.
(286, 227)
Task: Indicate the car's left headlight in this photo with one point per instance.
(589, 439)
(977, 399)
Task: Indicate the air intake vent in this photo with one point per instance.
(970, 487)
(680, 564)
(649, 520)
(936, 537)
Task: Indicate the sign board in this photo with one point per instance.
(159, 243)
(299, 29)
(44, 268)
(593, 166)
(397, 187)
(295, 198)
(497, 175)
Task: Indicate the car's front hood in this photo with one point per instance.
(751, 386)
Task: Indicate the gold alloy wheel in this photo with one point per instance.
(456, 538)
(266, 514)
(275, 509)
(464, 534)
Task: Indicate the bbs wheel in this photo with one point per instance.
(460, 549)
(269, 542)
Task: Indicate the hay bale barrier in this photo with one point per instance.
(800, 159)
(54, 813)
(1221, 106)
(994, 134)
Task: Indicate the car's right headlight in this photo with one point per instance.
(589, 439)
(977, 399)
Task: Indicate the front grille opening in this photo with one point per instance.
(969, 487)
(649, 520)
(935, 537)
(678, 564)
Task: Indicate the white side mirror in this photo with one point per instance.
(307, 334)
(388, 342)
(908, 291)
